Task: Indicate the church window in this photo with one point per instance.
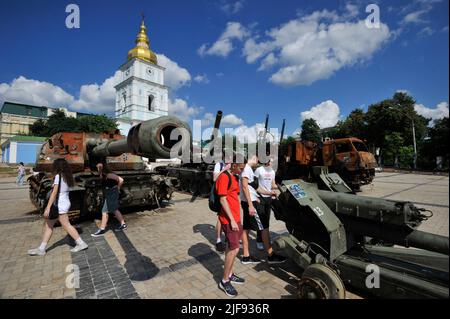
(151, 107)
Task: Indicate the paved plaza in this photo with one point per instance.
(165, 253)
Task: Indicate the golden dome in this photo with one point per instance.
(142, 49)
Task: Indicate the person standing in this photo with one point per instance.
(266, 180)
(219, 168)
(20, 174)
(63, 180)
(227, 188)
(111, 184)
(254, 217)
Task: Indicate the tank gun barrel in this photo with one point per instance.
(216, 125)
(153, 139)
(282, 130)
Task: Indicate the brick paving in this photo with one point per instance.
(165, 253)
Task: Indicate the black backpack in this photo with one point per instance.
(214, 198)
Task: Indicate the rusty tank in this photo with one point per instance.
(142, 189)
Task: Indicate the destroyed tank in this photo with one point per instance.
(142, 188)
(194, 176)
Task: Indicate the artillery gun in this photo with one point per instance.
(142, 188)
(336, 238)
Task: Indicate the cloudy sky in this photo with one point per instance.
(291, 59)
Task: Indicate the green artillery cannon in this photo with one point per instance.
(336, 238)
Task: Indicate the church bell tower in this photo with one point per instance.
(141, 94)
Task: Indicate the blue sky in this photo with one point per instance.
(291, 59)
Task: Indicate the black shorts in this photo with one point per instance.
(258, 222)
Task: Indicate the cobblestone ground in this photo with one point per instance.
(165, 253)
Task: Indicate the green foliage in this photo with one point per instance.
(39, 128)
(406, 156)
(310, 131)
(59, 122)
(288, 140)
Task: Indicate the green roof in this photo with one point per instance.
(25, 138)
(24, 109)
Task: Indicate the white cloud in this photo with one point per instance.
(416, 11)
(269, 61)
(201, 78)
(439, 112)
(96, 98)
(427, 31)
(34, 92)
(232, 7)
(181, 109)
(231, 120)
(326, 114)
(314, 47)
(445, 29)
(224, 45)
(246, 134)
(414, 17)
(174, 76)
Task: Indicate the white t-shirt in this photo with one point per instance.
(64, 201)
(248, 172)
(265, 176)
(218, 167)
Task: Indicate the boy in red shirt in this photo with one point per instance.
(227, 187)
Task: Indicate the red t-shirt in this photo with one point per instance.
(232, 195)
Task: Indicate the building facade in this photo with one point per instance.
(21, 149)
(141, 94)
(16, 118)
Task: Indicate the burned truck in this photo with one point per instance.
(142, 189)
(348, 157)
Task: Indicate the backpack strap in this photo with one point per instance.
(229, 179)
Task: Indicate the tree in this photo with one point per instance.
(310, 131)
(395, 115)
(59, 122)
(354, 125)
(97, 123)
(39, 128)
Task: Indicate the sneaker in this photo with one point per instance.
(228, 288)
(36, 252)
(237, 280)
(220, 247)
(275, 259)
(79, 247)
(98, 233)
(259, 246)
(249, 260)
(121, 227)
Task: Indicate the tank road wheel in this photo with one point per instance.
(320, 282)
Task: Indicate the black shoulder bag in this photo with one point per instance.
(54, 210)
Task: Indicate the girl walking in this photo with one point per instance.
(60, 197)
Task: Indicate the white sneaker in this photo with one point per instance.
(260, 246)
(36, 252)
(79, 247)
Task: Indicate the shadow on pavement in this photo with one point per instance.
(138, 266)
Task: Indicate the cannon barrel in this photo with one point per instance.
(387, 220)
(282, 130)
(153, 139)
(216, 125)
